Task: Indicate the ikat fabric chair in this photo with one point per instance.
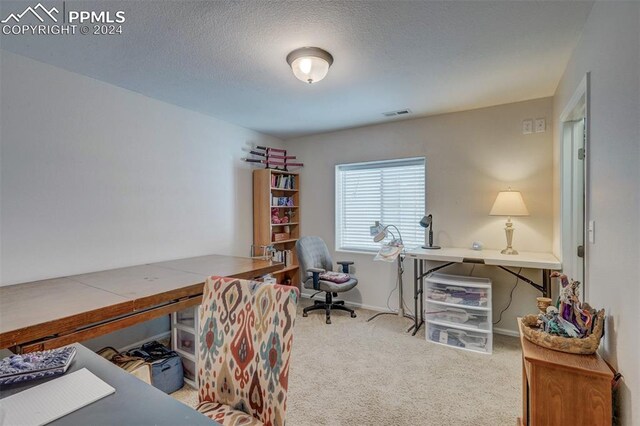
(245, 338)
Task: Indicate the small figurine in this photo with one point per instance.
(570, 318)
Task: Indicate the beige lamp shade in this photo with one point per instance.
(509, 203)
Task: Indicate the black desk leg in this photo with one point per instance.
(546, 282)
(421, 301)
(415, 289)
(418, 285)
(419, 318)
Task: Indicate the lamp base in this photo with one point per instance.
(431, 247)
(509, 250)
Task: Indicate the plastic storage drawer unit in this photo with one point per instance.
(458, 312)
(184, 340)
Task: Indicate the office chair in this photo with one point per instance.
(315, 262)
(245, 338)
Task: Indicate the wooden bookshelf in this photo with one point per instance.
(264, 189)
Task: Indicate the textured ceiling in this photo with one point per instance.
(227, 59)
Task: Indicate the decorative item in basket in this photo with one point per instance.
(571, 327)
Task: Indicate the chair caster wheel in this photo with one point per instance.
(304, 314)
(353, 314)
(328, 321)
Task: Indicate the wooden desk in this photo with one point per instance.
(133, 403)
(56, 312)
(563, 389)
(450, 255)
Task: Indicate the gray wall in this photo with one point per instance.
(470, 156)
(610, 50)
(95, 177)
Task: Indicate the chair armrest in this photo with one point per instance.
(345, 265)
(316, 276)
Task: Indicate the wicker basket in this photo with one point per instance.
(572, 345)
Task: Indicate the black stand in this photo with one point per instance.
(400, 312)
(431, 246)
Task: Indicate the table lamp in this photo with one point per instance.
(509, 203)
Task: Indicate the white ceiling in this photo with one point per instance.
(227, 59)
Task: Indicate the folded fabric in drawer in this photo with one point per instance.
(462, 316)
(458, 338)
(457, 295)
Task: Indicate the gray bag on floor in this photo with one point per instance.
(166, 366)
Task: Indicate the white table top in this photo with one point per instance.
(525, 259)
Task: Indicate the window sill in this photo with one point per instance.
(368, 253)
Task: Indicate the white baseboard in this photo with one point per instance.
(502, 331)
(139, 343)
(506, 332)
(358, 305)
(352, 304)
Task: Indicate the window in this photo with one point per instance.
(392, 192)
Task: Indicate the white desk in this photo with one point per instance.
(450, 255)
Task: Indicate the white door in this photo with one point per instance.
(578, 199)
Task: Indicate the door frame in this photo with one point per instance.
(578, 106)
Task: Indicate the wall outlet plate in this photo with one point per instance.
(527, 127)
(540, 125)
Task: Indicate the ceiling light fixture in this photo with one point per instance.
(310, 64)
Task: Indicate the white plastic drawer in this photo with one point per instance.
(186, 317)
(461, 280)
(454, 316)
(189, 368)
(185, 341)
(470, 340)
(457, 295)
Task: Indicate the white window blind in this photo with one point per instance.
(392, 192)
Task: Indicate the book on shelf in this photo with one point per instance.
(283, 256)
(281, 201)
(283, 181)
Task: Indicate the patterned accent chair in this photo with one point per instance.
(315, 260)
(246, 333)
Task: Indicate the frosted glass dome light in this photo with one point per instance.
(310, 64)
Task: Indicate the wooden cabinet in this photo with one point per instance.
(563, 389)
(277, 193)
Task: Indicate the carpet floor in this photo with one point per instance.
(354, 372)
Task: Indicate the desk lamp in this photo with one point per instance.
(380, 232)
(427, 222)
(509, 203)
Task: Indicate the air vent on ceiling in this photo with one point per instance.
(395, 113)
